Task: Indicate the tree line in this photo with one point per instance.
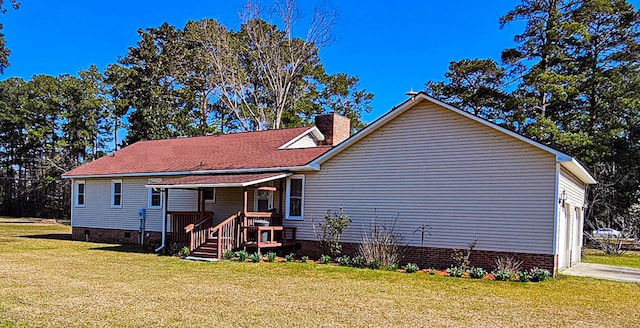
(196, 80)
(573, 83)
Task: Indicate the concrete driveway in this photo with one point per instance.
(601, 271)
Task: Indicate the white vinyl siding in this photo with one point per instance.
(433, 166)
(80, 190)
(308, 141)
(116, 193)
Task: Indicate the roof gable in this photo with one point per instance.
(566, 161)
(238, 152)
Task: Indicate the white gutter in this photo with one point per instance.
(309, 167)
(163, 194)
(217, 185)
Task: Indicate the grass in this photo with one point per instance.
(47, 280)
(629, 259)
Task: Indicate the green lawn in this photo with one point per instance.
(630, 259)
(48, 280)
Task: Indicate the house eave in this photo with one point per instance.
(300, 168)
(217, 185)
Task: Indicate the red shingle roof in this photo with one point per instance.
(238, 151)
(227, 180)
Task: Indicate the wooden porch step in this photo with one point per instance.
(208, 250)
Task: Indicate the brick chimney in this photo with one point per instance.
(336, 128)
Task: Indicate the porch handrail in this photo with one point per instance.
(199, 232)
(228, 233)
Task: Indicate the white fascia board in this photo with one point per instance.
(217, 185)
(308, 167)
(313, 130)
(578, 170)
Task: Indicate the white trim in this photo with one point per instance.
(210, 201)
(569, 162)
(255, 199)
(288, 196)
(113, 193)
(556, 207)
(76, 193)
(313, 130)
(219, 185)
(308, 167)
(150, 195)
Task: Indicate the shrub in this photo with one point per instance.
(460, 258)
(271, 256)
(455, 272)
(537, 274)
(509, 265)
(242, 255)
(255, 257)
(432, 271)
(502, 275)
(343, 260)
(382, 244)
(374, 264)
(476, 273)
(392, 267)
(228, 254)
(304, 259)
(324, 259)
(523, 276)
(290, 257)
(411, 268)
(330, 231)
(358, 262)
(184, 251)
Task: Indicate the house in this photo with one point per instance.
(422, 164)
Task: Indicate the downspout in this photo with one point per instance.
(163, 193)
(555, 216)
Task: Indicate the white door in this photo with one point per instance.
(562, 237)
(576, 244)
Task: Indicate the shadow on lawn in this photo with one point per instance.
(51, 236)
(123, 248)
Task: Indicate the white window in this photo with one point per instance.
(154, 197)
(209, 195)
(80, 193)
(295, 197)
(116, 193)
(263, 200)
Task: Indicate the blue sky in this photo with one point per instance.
(391, 46)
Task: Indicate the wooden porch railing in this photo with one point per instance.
(228, 233)
(179, 220)
(199, 232)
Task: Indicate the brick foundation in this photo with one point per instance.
(440, 258)
(113, 236)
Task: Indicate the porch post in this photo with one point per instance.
(201, 202)
(245, 205)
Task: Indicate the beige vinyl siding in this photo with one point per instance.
(573, 187)
(98, 213)
(433, 166)
(228, 202)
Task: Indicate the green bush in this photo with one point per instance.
(255, 257)
(242, 255)
(290, 258)
(411, 268)
(358, 262)
(538, 274)
(271, 256)
(374, 264)
(476, 273)
(343, 260)
(523, 276)
(304, 259)
(228, 254)
(392, 267)
(455, 271)
(184, 251)
(324, 259)
(502, 275)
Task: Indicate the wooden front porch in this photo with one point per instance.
(209, 238)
